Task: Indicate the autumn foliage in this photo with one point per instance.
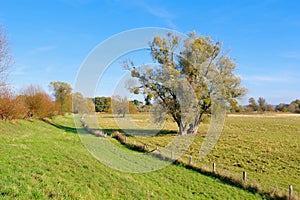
(38, 103)
(33, 102)
(11, 107)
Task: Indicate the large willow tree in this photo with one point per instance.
(191, 77)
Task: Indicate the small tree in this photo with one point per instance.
(120, 105)
(281, 107)
(62, 93)
(81, 104)
(188, 80)
(253, 105)
(262, 104)
(270, 107)
(102, 104)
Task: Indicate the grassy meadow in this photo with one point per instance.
(267, 147)
(40, 160)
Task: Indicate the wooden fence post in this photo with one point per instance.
(214, 167)
(290, 192)
(190, 160)
(172, 155)
(244, 176)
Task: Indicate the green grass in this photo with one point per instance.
(267, 147)
(41, 160)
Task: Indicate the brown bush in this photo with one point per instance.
(119, 136)
(10, 106)
(38, 102)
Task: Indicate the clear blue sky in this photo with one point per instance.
(51, 38)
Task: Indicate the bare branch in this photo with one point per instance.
(5, 57)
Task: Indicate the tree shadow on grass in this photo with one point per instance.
(65, 128)
(127, 132)
(139, 132)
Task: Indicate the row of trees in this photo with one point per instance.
(293, 107)
(122, 106)
(261, 105)
(33, 102)
(119, 105)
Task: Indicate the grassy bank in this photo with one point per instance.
(42, 160)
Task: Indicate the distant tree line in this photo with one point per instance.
(119, 105)
(261, 105)
(293, 107)
(33, 102)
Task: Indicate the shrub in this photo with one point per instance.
(38, 102)
(120, 137)
(10, 106)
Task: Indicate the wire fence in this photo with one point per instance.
(242, 179)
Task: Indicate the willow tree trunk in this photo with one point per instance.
(189, 127)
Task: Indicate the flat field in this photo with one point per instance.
(266, 146)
